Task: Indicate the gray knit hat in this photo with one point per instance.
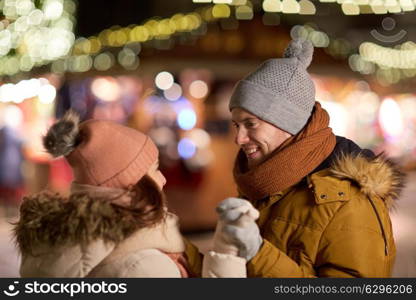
(280, 91)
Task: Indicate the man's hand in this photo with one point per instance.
(237, 227)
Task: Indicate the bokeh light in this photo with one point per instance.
(7, 92)
(200, 137)
(162, 136)
(34, 33)
(26, 89)
(272, 6)
(198, 89)
(390, 117)
(290, 6)
(338, 117)
(103, 61)
(186, 148)
(164, 80)
(187, 119)
(128, 58)
(221, 11)
(13, 116)
(47, 93)
(173, 93)
(106, 88)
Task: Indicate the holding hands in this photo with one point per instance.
(237, 232)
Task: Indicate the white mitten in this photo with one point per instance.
(240, 214)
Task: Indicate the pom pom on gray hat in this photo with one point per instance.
(302, 50)
(280, 91)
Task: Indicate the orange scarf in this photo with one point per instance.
(291, 162)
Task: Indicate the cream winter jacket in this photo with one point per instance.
(82, 241)
(84, 236)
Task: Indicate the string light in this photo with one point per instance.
(35, 33)
(86, 53)
(129, 39)
(318, 38)
(39, 88)
(272, 5)
(307, 7)
(355, 7)
(290, 7)
(244, 12)
(388, 57)
(349, 7)
(221, 11)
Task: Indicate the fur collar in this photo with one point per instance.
(50, 219)
(164, 236)
(376, 176)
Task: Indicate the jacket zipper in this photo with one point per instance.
(386, 251)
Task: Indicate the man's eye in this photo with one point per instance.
(235, 125)
(250, 125)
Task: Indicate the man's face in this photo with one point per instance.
(257, 138)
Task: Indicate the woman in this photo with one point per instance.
(115, 222)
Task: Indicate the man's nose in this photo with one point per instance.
(241, 137)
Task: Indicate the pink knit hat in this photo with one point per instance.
(101, 153)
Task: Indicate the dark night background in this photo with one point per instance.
(93, 16)
(96, 15)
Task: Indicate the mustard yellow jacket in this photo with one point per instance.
(334, 223)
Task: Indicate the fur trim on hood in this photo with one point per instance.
(51, 219)
(375, 176)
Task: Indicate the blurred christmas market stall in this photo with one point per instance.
(172, 78)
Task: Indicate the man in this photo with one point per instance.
(323, 202)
